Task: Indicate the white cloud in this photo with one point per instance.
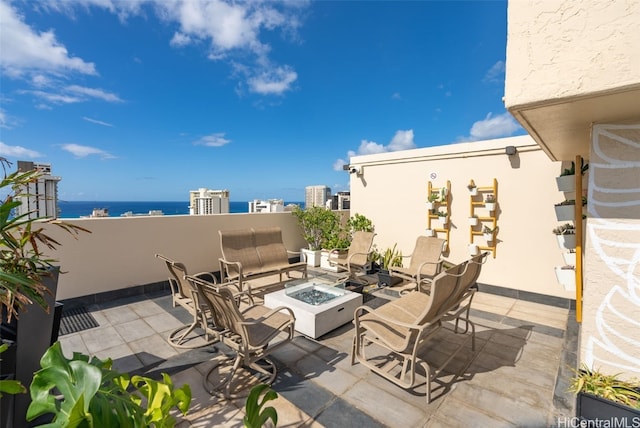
(83, 151)
(402, 140)
(17, 151)
(274, 81)
(213, 140)
(491, 126)
(231, 28)
(97, 122)
(495, 73)
(24, 50)
(93, 93)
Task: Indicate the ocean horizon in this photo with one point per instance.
(77, 209)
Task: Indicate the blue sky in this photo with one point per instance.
(146, 100)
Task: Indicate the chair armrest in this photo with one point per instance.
(203, 275)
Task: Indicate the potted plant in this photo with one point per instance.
(474, 249)
(490, 202)
(473, 220)
(442, 218)
(84, 391)
(566, 236)
(565, 210)
(473, 189)
(489, 233)
(430, 232)
(317, 224)
(432, 200)
(602, 397)
(27, 276)
(566, 276)
(566, 182)
(387, 258)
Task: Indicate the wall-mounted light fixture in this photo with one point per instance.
(510, 150)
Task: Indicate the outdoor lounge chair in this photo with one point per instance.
(252, 333)
(425, 264)
(356, 258)
(185, 295)
(390, 339)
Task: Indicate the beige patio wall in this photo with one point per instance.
(549, 56)
(392, 191)
(610, 335)
(119, 252)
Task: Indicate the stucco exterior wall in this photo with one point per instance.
(392, 192)
(119, 252)
(570, 64)
(610, 335)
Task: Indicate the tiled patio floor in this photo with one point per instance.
(523, 351)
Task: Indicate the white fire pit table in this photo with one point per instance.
(318, 307)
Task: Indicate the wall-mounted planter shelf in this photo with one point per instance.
(440, 225)
(487, 217)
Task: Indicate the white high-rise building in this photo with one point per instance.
(317, 196)
(40, 197)
(205, 201)
(268, 206)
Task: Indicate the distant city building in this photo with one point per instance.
(268, 206)
(41, 196)
(98, 213)
(341, 201)
(204, 202)
(317, 196)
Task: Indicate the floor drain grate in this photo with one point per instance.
(75, 320)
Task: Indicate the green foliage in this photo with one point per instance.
(572, 171)
(9, 386)
(565, 229)
(359, 223)
(487, 229)
(322, 227)
(606, 386)
(22, 261)
(434, 197)
(388, 257)
(95, 395)
(572, 202)
(256, 416)
(317, 224)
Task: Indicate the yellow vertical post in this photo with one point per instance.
(579, 235)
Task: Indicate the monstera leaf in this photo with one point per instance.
(88, 393)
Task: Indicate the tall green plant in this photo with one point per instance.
(606, 386)
(317, 224)
(23, 263)
(10, 386)
(95, 395)
(387, 258)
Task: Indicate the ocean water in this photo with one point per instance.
(77, 209)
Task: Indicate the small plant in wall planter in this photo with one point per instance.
(566, 235)
(565, 210)
(443, 217)
(473, 220)
(566, 181)
(432, 200)
(489, 233)
(473, 189)
(474, 249)
(490, 202)
(430, 232)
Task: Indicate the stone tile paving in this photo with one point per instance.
(511, 379)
